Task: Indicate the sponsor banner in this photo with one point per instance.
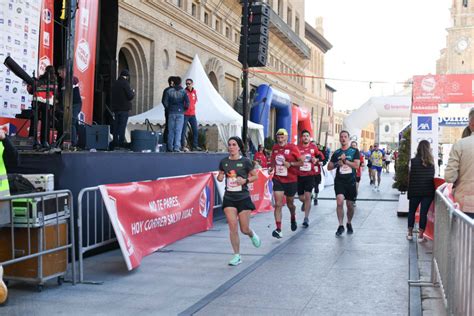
(454, 114)
(435, 89)
(459, 88)
(424, 127)
(424, 107)
(46, 41)
(84, 53)
(19, 33)
(147, 216)
(260, 191)
(428, 89)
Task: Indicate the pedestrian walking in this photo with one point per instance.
(369, 165)
(345, 160)
(421, 188)
(237, 204)
(285, 161)
(307, 173)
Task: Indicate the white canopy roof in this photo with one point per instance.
(211, 109)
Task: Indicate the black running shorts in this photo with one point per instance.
(289, 188)
(346, 188)
(305, 184)
(357, 179)
(241, 205)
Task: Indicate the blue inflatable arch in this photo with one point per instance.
(267, 97)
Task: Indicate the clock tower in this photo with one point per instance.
(458, 56)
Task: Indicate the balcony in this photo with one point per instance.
(288, 36)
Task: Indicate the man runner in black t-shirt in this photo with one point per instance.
(345, 160)
(237, 204)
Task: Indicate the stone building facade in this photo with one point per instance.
(159, 38)
(317, 99)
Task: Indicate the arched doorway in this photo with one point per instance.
(213, 78)
(131, 56)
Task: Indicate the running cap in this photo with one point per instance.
(282, 131)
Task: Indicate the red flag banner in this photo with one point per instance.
(261, 193)
(147, 216)
(84, 53)
(46, 42)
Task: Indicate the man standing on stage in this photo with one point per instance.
(284, 163)
(306, 173)
(170, 86)
(121, 101)
(76, 105)
(176, 102)
(190, 116)
(345, 160)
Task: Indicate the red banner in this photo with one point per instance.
(46, 39)
(84, 53)
(147, 216)
(431, 90)
(260, 192)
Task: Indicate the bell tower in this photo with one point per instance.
(459, 52)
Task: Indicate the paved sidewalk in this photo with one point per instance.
(308, 272)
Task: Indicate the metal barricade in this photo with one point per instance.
(453, 256)
(34, 240)
(93, 222)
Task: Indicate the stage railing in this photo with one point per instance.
(94, 226)
(453, 256)
(38, 226)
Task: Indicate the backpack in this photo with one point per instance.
(19, 184)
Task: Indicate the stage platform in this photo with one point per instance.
(82, 169)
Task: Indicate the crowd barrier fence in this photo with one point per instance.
(453, 254)
(37, 227)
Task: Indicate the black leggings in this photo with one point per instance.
(425, 206)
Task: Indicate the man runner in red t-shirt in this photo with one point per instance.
(284, 165)
(306, 173)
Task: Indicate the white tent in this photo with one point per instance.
(375, 107)
(211, 109)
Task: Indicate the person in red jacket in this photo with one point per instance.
(306, 173)
(261, 157)
(190, 116)
(284, 164)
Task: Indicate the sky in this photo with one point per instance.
(379, 40)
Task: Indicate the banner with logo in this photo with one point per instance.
(46, 41)
(19, 33)
(454, 114)
(84, 53)
(147, 216)
(424, 127)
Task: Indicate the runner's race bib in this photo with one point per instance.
(232, 185)
(306, 166)
(280, 169)
(345, 169)
(307, 163)
(316, 168)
